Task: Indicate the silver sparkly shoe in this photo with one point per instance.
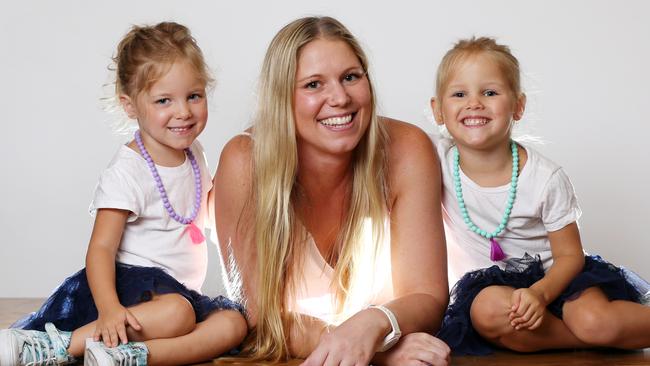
(34, 348)
(130, 354)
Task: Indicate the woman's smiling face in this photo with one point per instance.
(332, 99)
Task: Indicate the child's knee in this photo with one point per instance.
(178, 313)
(489, 312)
(596, 325)
(235, 324)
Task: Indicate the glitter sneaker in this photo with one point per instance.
(31, 347)
(130, 354)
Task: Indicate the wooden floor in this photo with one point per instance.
(12, 309)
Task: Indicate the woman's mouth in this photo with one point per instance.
(339, 122)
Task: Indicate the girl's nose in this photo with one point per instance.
(184, 111)
(474, 102)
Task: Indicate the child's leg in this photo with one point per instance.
(168, 315)
(490, 318)
(218, 333)
(596, 320)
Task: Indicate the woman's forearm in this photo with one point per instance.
(418, 312)
(305, 334)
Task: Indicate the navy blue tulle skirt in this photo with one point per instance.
(457, 330)
(71, 306)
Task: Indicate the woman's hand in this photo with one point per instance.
(352, 343)
(111, 325)
(417, 349)
(527, 311)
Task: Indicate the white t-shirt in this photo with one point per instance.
(151, 237)
(545, 202)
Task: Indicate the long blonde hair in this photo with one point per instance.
(277, 232)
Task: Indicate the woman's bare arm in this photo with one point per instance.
(232, 206)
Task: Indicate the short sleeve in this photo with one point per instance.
(201, 157)
(117, 189)
(560, 204)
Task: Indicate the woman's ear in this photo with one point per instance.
(520, 107)
(435, 109)
(129, 106)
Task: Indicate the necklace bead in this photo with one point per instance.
(496, 252)
(194, 231)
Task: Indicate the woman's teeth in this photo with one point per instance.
(336, 121)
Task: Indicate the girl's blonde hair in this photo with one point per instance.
(278, 234)
(147, 52)
(465, 48)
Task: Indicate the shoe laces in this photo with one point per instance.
(124, 355)
(39, 349)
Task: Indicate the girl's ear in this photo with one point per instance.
(129, 106)
(520, 107)
(437, 114)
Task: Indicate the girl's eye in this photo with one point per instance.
(163, 101)
(458, 94)
(490, 93)
(195, 96)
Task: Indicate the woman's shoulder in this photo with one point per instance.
(233, 175)
(408, 143)
(400, 130)
(411, 156)
(238, 150)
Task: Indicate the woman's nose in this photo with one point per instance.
(338, 95)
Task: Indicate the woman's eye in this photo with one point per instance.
(351, 77)
(163, 101)
(312, 85)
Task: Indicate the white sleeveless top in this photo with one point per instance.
(316, 293)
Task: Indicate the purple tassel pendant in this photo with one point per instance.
(195, 234)
(496, 253)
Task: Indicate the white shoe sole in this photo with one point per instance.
(94, 355)
(9, 351)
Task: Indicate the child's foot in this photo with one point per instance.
(130, 354)
(31, 347)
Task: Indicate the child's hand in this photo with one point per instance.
(527, 311)
(111, 326)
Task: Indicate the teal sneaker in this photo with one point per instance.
(130, 354)
(34, 348)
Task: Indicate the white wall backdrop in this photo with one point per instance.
(587, 77)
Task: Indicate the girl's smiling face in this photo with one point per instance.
(477, 106)
(171, 114)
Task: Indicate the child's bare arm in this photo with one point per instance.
(100, 270)
(568, 260)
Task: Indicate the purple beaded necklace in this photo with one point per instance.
(195, 233)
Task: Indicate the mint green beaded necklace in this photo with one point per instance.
(496, 253)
